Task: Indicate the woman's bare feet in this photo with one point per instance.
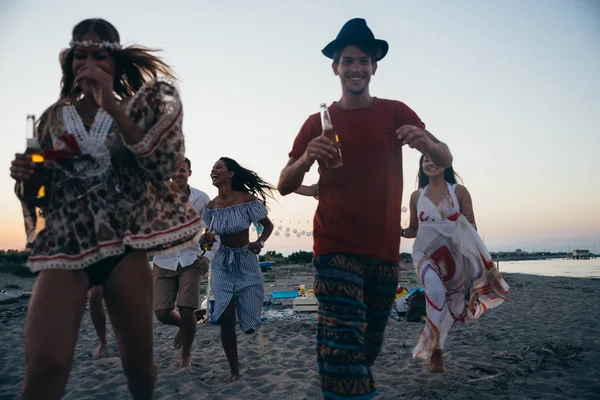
(101, 350)
(185, 362)
(436, 362)
(232, 378)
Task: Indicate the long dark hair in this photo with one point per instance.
(247, 181)
(449, 175)
(135, 65)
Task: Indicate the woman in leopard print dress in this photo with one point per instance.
(111, 143)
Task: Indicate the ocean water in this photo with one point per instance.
(554, 267)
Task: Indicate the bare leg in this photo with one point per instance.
(171, 317)
(438, 314)
(229, 341)
(51, 330)
(130, 310)
(187, 332)
(98, 319)
(436, 362)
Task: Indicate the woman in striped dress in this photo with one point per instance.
(236, 279)
(458, 273)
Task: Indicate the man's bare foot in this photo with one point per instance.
(185, 362)
(436, 362)
(232, 378)
(177, 340)
(101, 351)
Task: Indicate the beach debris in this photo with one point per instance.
(13, 296)
(509, 356)
(495, 374)
(13, 313)
(265, 361)
(487, 378)
(396, 316)
(532, 359)
(485, 369)
(287, 314)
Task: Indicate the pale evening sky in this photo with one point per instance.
(513, 88)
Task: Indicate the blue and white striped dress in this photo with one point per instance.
(236, 273)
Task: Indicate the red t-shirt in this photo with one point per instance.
(360, 202)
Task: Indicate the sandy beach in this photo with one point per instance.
(542, 344)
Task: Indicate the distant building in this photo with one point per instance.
(581, 254)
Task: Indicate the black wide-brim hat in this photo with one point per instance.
(356, 32)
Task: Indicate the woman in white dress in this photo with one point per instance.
(458, 273)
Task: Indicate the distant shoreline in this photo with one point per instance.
(531, 258)
(538, 258)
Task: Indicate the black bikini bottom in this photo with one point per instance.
(99, 272)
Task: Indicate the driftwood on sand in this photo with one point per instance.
(547, 355)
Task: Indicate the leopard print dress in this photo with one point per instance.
(107, 196)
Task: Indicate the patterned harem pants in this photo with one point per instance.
(355, 297)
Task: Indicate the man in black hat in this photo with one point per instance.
(357, 223)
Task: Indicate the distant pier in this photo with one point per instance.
(582, 255)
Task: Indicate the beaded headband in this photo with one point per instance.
(102, 44)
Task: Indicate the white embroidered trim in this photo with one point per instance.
(90, 143)
(62, 261)
(173, 107)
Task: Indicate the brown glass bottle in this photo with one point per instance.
(33, 190)
(330, 133)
